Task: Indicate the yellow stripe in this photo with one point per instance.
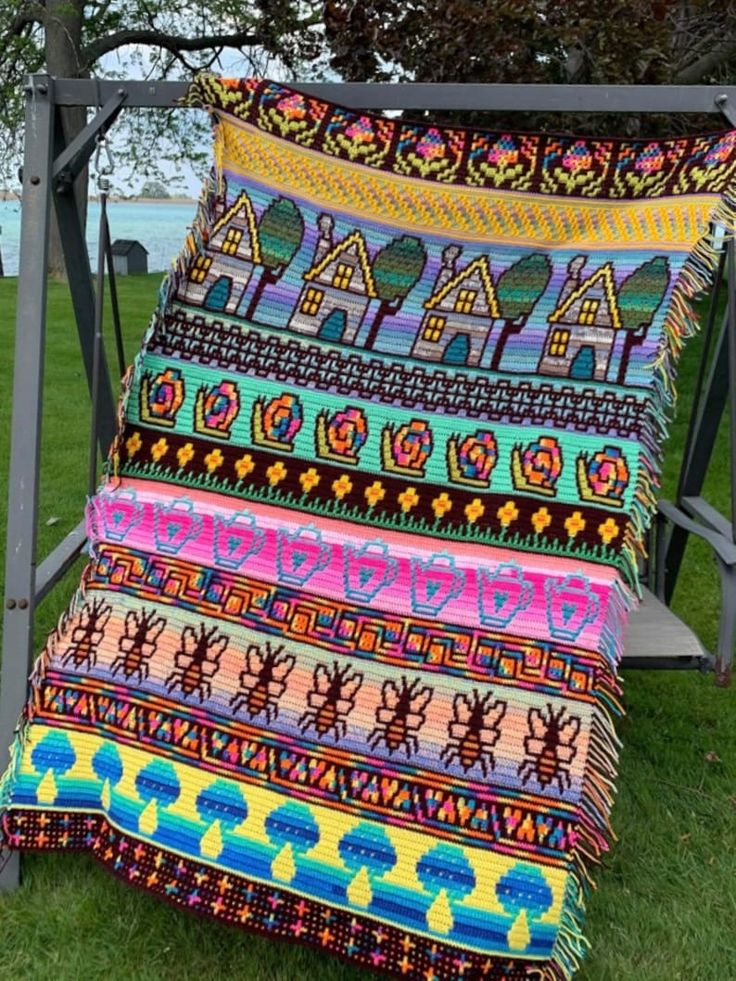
(409, 844)
(469, 214)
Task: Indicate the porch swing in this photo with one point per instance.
(657, 638)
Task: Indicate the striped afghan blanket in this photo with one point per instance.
(342, 667)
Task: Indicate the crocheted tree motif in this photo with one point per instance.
(638, 299)
(448, 875)
(220, 805)
(158, 787)
(518, 289)
(396, 270)
(368, 851)
(52, 757)
(280, 234)
(524, 894)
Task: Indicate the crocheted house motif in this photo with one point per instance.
(459, 313)
(583, 325)
(338, 286)
(220, 273)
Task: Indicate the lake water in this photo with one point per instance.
(159, 227)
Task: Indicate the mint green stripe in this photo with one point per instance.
(442, 427)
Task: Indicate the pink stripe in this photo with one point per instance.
(391, 571)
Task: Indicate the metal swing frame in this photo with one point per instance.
(51, 163)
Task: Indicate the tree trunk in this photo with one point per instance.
(633, 339)
(267, 276)
(384, 309)
(509, 329)
(63, 42)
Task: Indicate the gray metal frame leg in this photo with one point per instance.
(726, 625)
(20, 563)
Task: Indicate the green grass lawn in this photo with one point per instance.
(665, 907)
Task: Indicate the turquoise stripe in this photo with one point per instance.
(508, 437)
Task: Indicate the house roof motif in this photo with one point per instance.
(480, 266)
(240, 212)
(354, 241)
(602, 276)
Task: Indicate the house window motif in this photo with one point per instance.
(558, 344)
(312, 301)
(433, 328)
(232, 241)
(199, 270)
(464, 301)
(343, 275)
(588, 310)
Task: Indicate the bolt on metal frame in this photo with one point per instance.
(49, 169)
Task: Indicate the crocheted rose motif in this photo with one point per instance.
(541, 462)
(477, 455)
(607, 473)
(217, 409)
(347, 432)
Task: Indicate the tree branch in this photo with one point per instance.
(170, 42)
(696, 70)
(32, 13)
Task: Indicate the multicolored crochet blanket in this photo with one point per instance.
(342, 667)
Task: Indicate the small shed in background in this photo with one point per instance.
(129, 256)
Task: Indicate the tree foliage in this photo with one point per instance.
(642, 292)
(142, 38)
(397, 268)
(517, 290)
(154, 189)
(634, 41)
(280, 233)
(150, 39)
(625, 41)
(521, 285)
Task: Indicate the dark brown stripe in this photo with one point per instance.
(540, 163)
(353, 505)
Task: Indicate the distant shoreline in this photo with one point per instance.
(114, 199)
(135, 200)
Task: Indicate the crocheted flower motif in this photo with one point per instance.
(375, 493)
(651, 159)
(162, 397)
(361, 131)
(431, 146)
(342, 486)
(282, 418)
(216, 410)
(577, 157)
(477, 455)
(723, 149)
(345, 433)
(504, 151)
(292, 106)
(309, 479)
(277, 422)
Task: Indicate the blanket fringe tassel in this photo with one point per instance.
(599, 787)
(598, 790)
